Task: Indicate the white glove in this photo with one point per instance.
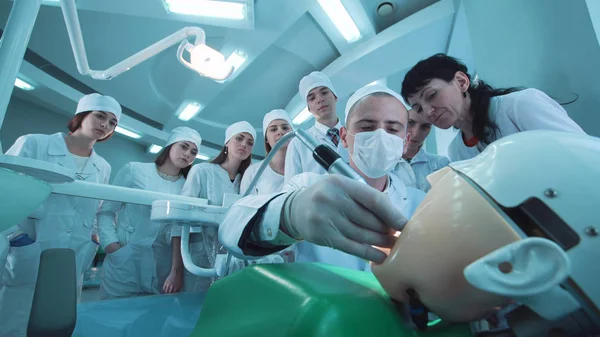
(343, 214)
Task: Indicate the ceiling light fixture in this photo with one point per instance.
(341, 19)
(212, 8)
(127, 133)
(302, 117)
(189, 111)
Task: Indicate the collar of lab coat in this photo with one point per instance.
(388, 185)
(58, 147)
(421, 156)
(322, 128)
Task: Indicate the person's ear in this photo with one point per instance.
(463, 81)
(343, 135)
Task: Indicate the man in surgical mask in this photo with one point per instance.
(330, 218)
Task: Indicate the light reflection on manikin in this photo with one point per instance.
(453, 227)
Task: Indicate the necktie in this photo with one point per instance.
(334, 135)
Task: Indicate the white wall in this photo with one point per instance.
(23, 117)
(547, 44)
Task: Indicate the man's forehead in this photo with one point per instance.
(317, 89)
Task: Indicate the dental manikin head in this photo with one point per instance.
(483, 237)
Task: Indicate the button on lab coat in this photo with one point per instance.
(252, 208)
(415, 173)
(60, 222)
(142, 265)
(524, 110)
(299, 158)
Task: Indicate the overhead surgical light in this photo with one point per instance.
(302, 117)
(203, 59)
(188, 111)
(127, 133)
(19, 83)
(212, 8)
(341, 19)
(236, 60)
(202, 156)
(155, 148)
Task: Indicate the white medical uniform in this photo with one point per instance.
(269, 182)
(207, 181)
(414, 174)
(265, 210)
(60, 222)
(524, 110)
(299, 158)
(143, 263)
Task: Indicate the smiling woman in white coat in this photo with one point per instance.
(61, 221)
(211, 181)
(139, 258)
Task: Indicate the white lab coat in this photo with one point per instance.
(269, 182)
(246, 210)
(524, 110)
(299, 159)
(207, 181)
(142, 265)
(60, 222)
(414, 174)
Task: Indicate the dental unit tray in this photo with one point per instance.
(193, 214)
(38, 169)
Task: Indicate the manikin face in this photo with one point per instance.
(453, 227)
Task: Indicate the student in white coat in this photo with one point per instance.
(139, 259)
(276, 124)
(336, 216)
(441, 88)
(417, 163)
(318, 92)
(61, 221)
(211, 181)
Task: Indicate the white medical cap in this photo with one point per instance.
(314, 80)
(184, 134)
(273, 115)
(366, 91)
(239, 127)
(97, 102)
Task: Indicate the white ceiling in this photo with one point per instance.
(289, 39)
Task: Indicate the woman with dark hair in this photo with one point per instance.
(211, 181)
(276, 124)
(441, 88)
(61, 221)
(139, 260)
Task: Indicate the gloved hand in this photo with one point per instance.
(343, 214)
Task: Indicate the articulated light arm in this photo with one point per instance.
(208, 63)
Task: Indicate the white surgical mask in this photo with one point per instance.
(377, 152)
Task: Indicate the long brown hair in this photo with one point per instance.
(220, 159)
(75, 123)
(163, 156)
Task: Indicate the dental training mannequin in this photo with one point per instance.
(139, 260)
(417, 163)
(465, 263)
(211, 181)
(441, 88)
(61, 221)
(339, 216)
(276, 124)
(321, 100)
